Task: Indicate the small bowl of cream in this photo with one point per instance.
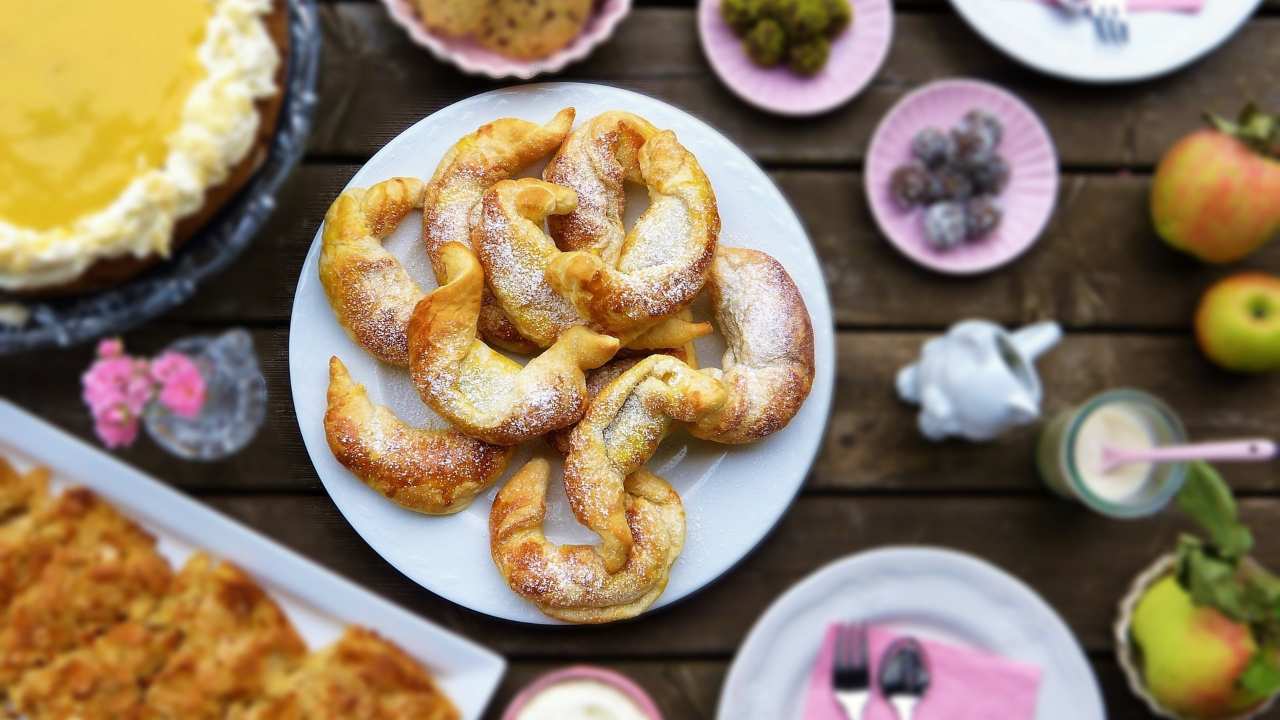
(582, 693)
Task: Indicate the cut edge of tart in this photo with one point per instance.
(220, 136)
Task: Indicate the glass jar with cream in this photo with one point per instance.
(582, 693)
(1069, 455)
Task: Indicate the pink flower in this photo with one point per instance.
(108, 382)
(116, 426)
(182, 386)
(110, 347)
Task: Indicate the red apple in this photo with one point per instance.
(1216, 193)
(1238, 322)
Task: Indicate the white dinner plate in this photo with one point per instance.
(733, 495)
(1040, 35)
(936, 594)
(319, 603)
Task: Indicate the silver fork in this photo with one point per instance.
(851, 670)
(1111, 17)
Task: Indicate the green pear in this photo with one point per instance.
(1192, 656)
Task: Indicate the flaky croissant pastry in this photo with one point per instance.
(480, 391)
(436, 472)
(513, 249)
(369, 290)
(596, 161)
(662, 262)
(493, 152)
(620, 432)
(572, 582)
(768, 366)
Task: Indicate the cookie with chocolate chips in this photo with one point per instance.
(529, 29)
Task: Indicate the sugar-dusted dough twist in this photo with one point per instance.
(662, 262)
(369, 290)
(513, 249)
(573, 582)
(493, 152)
(482, 392)
(596, 161)
(768, 367)
(620, 432)
(431, 471)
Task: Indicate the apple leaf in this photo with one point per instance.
(1257, 129)
(1207, 499)
(1262, 675)
(1211, 580)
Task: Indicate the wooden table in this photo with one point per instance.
(1125, 299)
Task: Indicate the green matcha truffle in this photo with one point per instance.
(840, 13)
(766, 44)
(808, 57)
(808, 19)
(742, 15)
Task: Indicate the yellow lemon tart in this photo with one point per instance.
(124, 125)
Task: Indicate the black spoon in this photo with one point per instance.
(904, 676)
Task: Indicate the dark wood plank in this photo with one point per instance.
(1081, 563)
(376, 83)
(1098, 265)
(686, 689)
(871, 446)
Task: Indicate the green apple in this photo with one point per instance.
(1192, 656)
(1238, 322)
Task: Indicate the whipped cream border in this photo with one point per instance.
(217, 130)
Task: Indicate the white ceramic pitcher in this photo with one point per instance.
(978, 380)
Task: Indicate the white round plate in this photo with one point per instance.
(1040, 35)
(732, 495)
(936, 594)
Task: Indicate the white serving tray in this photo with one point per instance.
(320, 603)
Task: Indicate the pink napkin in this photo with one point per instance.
(1190, 6)
(966, 684)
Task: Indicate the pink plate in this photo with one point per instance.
(585, 672)
(1028, 200)
(473, 58)
(856, 56)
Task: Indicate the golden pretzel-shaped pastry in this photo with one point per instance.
(431, 471)
(572, 582)
(482, 392)
(768, 366)
(664, 259)
(596, 161)
(369, 290)
(513, 249)
(620, 432)
(493, 152)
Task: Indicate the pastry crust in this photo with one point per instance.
(507, 235)
(105, 680)
(236, 643)
(572, 582)
(96, 568)
(620, 432)
(370, 292)
(494, 152)
(113, 271)
(360, 676)
(664, 259)
(480, 391)
(436, 472)
(768, 366)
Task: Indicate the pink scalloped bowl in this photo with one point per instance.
(856, 57)
(472, 58)
(1028, 201)
(585, 672)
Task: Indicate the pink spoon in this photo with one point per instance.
(1251, 450)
